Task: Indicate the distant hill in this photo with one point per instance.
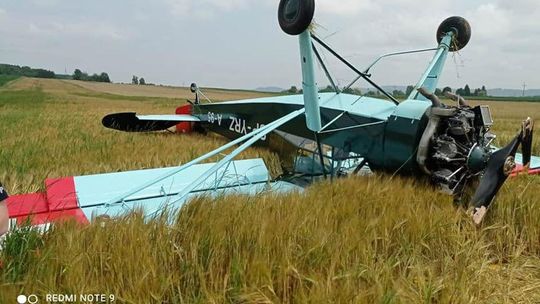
(270, 89)
(387, 88)
(513, 92)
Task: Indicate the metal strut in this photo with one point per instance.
(250, 138)
(321, 155)
(328, 75)
(348, 64)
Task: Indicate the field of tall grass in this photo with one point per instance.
(358, 240)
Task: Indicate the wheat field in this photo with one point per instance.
(357, 240)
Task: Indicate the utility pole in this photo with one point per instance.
(524, 87)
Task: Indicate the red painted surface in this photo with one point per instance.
(519, 170)
(184, 127)
(57, 203)
(76, 215)
(26, 204)
(61, 193)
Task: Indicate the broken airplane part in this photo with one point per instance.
(419, 137)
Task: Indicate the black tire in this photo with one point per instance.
(460, 27)
(295, 16)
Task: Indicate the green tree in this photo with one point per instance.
(77, 74)
(409, 90)
(293, 90)
(41, 73)
(328, 89)
(352, 91)
(104, 77)
(135, 80)
(447, 89)
(438, 92)
(483, 91)
(142, 81)
(398, 93)
(94, 77)
(467, 90)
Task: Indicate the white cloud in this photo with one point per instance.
(101, 31)
(490, 20)
(209, 8)
(505, 37)
(203, 8)
(345, 7)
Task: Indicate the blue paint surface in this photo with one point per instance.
(248, 177)
(155, 206)
(535, 161)
(99, 189)
(354, 104)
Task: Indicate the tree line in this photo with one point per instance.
(465, 91)
(15, 70)
(295, 90)
(136, 80)
(80, 75)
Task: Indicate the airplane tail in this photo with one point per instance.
(131, 122)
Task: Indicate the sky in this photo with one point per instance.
(238, 43)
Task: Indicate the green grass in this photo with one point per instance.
(360, 240)
(20, 249)
(514, 99)
(6, 78)
(357, 240)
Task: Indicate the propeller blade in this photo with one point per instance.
(499, 167)
(129, 122)
(526, 142)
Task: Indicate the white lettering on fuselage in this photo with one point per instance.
(237, 125)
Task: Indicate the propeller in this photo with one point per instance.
(500, 165)
(526, 143)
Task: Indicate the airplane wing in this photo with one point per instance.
(131, 122)
(86, 198)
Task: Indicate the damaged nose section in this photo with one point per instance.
(455, 151)
(500, 165)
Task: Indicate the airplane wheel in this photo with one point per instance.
(295, 15)
(460, 27)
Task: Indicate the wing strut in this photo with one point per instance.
(249, 140)
(350, 66)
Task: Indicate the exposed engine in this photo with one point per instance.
(456, 145)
